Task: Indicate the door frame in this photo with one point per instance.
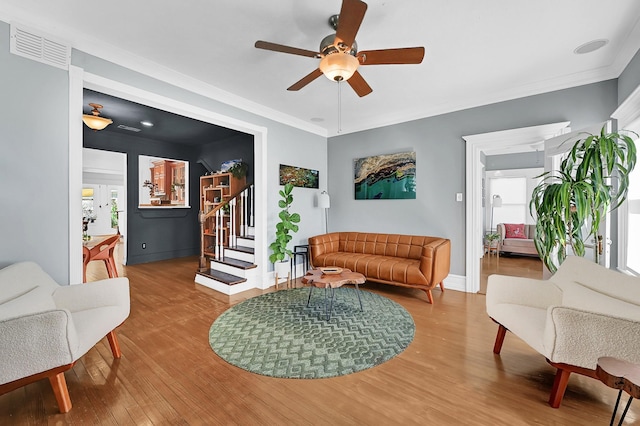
(475, 146)
(78, 80)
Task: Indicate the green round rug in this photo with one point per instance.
(277, 335)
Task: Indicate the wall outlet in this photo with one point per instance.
(458, 196)
(144, 246)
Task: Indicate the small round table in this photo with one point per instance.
(619, 374)
(315, 278)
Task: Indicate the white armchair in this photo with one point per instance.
(583, 312)
(45, 328)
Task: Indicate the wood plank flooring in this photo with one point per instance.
(168, 374)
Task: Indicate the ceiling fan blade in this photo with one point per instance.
(306, 80)
(407, 55)
(285, 49)
(358, 84)
(351, 16)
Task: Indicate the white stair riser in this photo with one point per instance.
(234, 254)
(245, 242)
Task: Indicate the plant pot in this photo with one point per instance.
(281, 268)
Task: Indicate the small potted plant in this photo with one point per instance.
(239, 170)
(492, 239)
(287, 225)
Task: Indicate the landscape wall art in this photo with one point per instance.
(390, 176)
(299, 176)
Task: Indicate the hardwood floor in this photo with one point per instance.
(511, 265)
(168, 374)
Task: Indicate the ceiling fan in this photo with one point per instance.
(339, 52)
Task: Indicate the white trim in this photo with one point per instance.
(115, 88)
(473, 221)
(629, 109)
(626, 114)
(75, 174)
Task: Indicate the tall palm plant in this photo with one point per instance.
(580, 193)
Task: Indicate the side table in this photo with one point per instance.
(303, 251)
(619, 374)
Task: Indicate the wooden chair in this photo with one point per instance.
(105, 252)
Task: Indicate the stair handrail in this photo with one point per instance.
(225, 202)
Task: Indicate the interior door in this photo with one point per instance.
(554, 150)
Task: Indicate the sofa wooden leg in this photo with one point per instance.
(559, 387)
(442, 286)
(497, 346)
(59, 386)
(429, 296)
(113, 342)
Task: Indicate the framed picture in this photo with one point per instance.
(390, 176)
(298, 176)
(164, 182)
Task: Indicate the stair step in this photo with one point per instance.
(241, 264)
(222, 277)
(248, 237)
(242, 249)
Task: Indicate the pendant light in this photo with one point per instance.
(93, 120)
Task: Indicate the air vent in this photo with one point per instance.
(129, 128)
(39, 47)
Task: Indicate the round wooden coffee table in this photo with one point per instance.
(619, 374)
(315, 278)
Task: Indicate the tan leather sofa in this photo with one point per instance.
(402, 260)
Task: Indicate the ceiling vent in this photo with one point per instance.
(42, 48)
(129, 128)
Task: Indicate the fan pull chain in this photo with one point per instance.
(339, 107)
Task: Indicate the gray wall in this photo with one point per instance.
(629, 79)
(238, 147)
(440, 161)
(34, 162)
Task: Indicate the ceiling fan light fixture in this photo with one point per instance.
(339, 66)
(93, 120)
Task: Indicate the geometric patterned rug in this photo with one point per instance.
(276, 335)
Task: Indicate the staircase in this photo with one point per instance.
(227, 254)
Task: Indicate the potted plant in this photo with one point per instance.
(239, 169)
(287, 225)
(579, 194)
(492, 239)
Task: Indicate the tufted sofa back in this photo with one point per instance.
(394, 245)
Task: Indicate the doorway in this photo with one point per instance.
(104, 196)
(78, 80)
(476, 147)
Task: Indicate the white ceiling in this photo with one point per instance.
(477, 52)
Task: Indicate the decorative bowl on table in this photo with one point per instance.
(330, 270)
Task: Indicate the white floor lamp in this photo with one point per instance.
(496, 201)
(324, 202)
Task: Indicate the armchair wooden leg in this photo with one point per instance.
(559, 387)
(113, 342)
(442, 286)
(497, 346)
(60, 390)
